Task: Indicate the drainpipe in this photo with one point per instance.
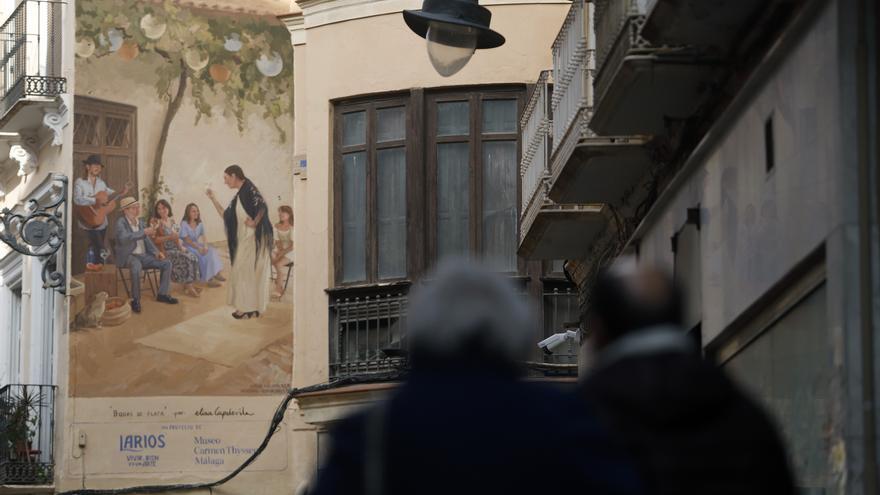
(866, 273)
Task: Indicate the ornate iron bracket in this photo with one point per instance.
(39, 231)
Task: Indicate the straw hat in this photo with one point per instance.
(127, 202)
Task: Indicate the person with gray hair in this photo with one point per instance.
(464, 421)
(470, 314)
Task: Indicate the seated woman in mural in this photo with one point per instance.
(282, 255)
(184, 264)
(249, 234)
(192, 234)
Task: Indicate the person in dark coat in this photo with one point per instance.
(690, 429)
(464, 421)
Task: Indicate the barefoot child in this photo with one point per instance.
(282, 255)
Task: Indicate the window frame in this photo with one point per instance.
(370, 148)
(475, 137)
(421, 187)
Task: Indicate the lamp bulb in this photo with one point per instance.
(450, 46)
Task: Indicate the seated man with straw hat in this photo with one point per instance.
(135, 251)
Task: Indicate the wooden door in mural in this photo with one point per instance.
(110, 130)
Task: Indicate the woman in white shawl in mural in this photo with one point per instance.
(249, 235)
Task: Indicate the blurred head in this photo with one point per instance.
(162, 209)
(192, 213)
(468, 314)
(626, 298)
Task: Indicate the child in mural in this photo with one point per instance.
(249, 235)
(184, 264)
(135, 251)
(94, 201)
(192, 233)
(282, 255)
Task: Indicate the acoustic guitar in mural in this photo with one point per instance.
(93, 216)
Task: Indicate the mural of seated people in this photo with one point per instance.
(282, 255)
(192, 234)
(136, 251)
(166, 236)
(167, 96)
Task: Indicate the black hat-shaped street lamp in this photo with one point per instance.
(454, 29)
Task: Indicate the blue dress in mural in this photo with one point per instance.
(210, 263)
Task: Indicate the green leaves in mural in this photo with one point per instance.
(233, 63)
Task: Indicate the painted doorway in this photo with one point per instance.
(108, 129)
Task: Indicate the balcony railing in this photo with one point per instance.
(536, 126)
(573, 65)
(366, 330)
(369, 332)
(618, 22)
(27, 426)
(30, 65)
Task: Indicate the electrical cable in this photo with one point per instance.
(277, 418)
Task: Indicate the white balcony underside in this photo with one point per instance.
(601, 170)
(27, 113)
(643, 91)
(563, 231)
(692, 22)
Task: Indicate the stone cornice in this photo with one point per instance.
(322, 12)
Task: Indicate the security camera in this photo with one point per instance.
(556, 341)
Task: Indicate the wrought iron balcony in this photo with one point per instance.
(366, 330)
(27, 427)
(30, 67)
(639, 86)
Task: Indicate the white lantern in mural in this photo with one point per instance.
(196, 59)
(232, 43)
(114, 36)
(270, 66)
(85, 47)
(153, 27)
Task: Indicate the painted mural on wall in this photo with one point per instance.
(182, 248)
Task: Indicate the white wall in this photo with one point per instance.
(11, 271)
(756, 226)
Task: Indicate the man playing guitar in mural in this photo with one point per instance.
(93, 202)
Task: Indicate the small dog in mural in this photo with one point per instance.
(91, 316)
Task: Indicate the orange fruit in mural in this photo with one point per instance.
(220, 73)
(129, 50)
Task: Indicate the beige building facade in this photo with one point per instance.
(354, 55)
(184, 393)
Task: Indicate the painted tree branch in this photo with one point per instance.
(173, 106)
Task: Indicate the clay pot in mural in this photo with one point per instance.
(129, 50)
(117, 311)
(220, 73)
